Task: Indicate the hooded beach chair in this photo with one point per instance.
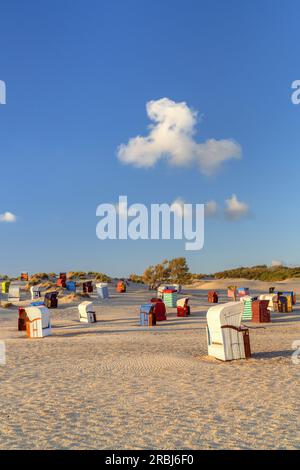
(260, 311)
(291, 299)
(22, 319)
(272, 299)
(247, 311)
(87, 287)
(50, 299)
(35, 292)
(102, 290)
(183, 309)
(14, 293)
(283, 304)
(212, 297)
(87, 312)
(226, 339)
(159, 310)
(121, 287)
(62, 280)
(61, 283)
(147, 315)
(38, 322)
(71, 286)
(242, 291)
(5, 287)
(232, 292)
(170, 297)
(160, 291)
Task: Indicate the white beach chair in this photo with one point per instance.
(86, 312)
(272, 298)
(160, 290)
(225, 338)
(14, 293)
(38, 322)
(102, 290)
(35, 292)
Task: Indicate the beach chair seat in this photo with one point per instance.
(170, 298)
(232, 292)
(38, 323)
(242, 291)
(35, 292)
(5, 287)
(14, 293)
(226, 339)
(51, 300)
(147, 316)
(290, 299)
(102, 290)
(22, 319)
(71, 286)
(159, 310)
(183, 309)
(260, 311)
(247, 311)
(61, 283)
(121, 287)
(87, 287)
(212, 297)
(87, 312)
(272, 299)
(283, 304)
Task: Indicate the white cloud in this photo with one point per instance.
(276, 262)
(210, 208)
(8, 217)
(178, 208)
(235, 209)
(171, 136)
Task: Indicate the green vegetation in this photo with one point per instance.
(136, 279)
(175, 270)
(260, 273)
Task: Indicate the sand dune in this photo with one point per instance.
(117, 385)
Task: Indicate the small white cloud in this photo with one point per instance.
(8, 217)
(171, 136)
(276, 262)
(179, 208)
(235, 209)
(210, 208)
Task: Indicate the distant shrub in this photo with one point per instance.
(260, 273)
(37, 279)
(76, 275)
(101, 277)
(136, 279)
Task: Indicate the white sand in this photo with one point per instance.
(117, 385)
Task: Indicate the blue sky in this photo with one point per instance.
(78, 77)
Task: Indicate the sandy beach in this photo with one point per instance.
(115, 384)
